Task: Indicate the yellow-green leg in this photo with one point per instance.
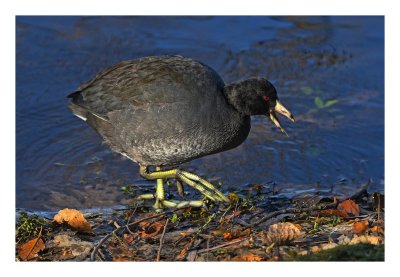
(206, 188)
(179, 187)
(160, 194)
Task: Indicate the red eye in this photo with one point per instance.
(266, 98)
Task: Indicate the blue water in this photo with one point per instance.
(61, 162)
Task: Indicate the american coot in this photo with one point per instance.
(167, 110)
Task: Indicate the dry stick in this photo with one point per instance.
(101, 254)
(291, 210)
(220, 246)
(93, 254)
(162, 240)
(208, 247)
(129, 219)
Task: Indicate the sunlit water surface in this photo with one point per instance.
(328, 70)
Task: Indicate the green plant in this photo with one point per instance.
(322, 105)
(28, 226)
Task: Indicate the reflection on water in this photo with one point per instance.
(328, 71)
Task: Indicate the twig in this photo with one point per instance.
(93, 254)
(154, 216)
(129, 219)
(162, 240)
(242, 222)
(208, 247)
(102, 257)
(256, 214)
(291, 210)
(221, 246)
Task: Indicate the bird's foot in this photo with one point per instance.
(205, 187)
(163, 203)
(193, 180)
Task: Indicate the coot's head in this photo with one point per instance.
(257, 96)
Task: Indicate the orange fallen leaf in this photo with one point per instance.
(235, 233)
(186, 233)
(121, 259)
(181, 254)
(248, 258)
(120, 252)
(30, 249)
(332, 212)
(360, 226)
(152, 230)
(350, 207)
(274, 258)
(128, 238)
(74, 219)
(377, 229)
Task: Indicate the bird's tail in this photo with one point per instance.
(75, 107)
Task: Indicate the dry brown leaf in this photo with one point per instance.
(152, 230)
(236, 233)
(69, 247)
(186, 233)
(121, 259)
(74, 219)
(274, 258)
(30, 249)
(248, 258)
(280, 233)
(350, 207)
(360, 226)
(128, 238)
(332, 212)
(228, 218)
(377, 229)
(219, 232)
(119, 251)
(375, 240)
(181, 254)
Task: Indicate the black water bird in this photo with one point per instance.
(166, 110)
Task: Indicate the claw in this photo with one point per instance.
(196, 182)
(179, 186)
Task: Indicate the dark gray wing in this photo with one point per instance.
(146, 81)
(148, 98)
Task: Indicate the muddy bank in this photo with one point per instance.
(311, 227)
